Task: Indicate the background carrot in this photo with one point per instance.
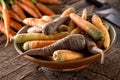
(50, 1)
(18, 11)
(37, 44)
(6, 18)
(15, 25)
(30, 4)
(44, 9)
(14, 16)
(2, 29)
(27, 8)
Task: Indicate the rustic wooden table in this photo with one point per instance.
(20, 69)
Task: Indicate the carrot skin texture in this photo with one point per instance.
(64, 43)
(30, 4)
(43, 8)
(87, 26)
(21, 38)
(18, 11)
(36, 44)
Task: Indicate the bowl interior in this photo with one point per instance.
(68, 64)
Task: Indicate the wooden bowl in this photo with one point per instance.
(68, 65)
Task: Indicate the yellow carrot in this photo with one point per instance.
(96, 20)
(67, 55)
(37, 44)
(21, 38)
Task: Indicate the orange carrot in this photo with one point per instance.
(30, 4)
(27, 8)
(68, 11)
(6, 18)
(88, 27)
(2, 29)
(18, 11)
(15, 25)
(37, 44)
(50, 1)
(34, 22)
(43, 8)
(14, 16)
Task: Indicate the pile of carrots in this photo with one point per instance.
(64, 37)
(13, 12)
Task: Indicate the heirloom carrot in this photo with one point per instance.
(47, 18)
(84, 14)
(93, 48)
(37, 44)
(26, 8)
(18, 11)
(34, 22)
(50, 1)
(21, 38)
(6, 18)
(96, 20)
(77, 40)
(94, 32)
(30, 4)
(68, 11)
(67, 55)
(44, 9)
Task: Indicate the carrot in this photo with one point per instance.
(62, 28)
(35, 30)
(50, 1)
(2, 29)
(77, 30)
(6, 18)
(47, 18)
(68, 11)
(67, 55)
(26, 8)
(94, 32)
(15, 25)
(77, 40)
(84, 14)
(21, 38)
(48, 28)
(14, 16)
(18, 11)
(44, 9)
(34, 22)
(96, 20)
(71, 26)
(37, 44)
(30, 4)
(93, 48)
